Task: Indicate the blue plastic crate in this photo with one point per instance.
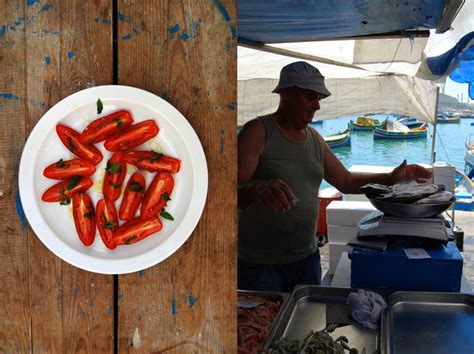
(391, 270)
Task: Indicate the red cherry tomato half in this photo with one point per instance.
(114, 175)
(84, 218)
(132, 197)
(70, 139)
(107, 221)
(157, 195)
(69, 168)
(135, 230)
(152, 161)
(132, 136)
(62, 191)
(100, 129)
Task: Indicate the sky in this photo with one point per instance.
(455, 90)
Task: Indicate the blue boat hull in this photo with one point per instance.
(345, 142)
(384, 134)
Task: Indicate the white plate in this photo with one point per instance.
(54, 224)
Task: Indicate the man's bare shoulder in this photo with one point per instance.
(254, 130)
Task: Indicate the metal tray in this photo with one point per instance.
(411, 210)
(311, 307)
(282, 297)
(419, 322)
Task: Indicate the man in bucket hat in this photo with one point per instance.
(281, 163)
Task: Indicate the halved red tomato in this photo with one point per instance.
(157, 195)
(100, 129)
(69, 168)
(152, 161)
(132, 197)
(62, 191)
(132, 136)
(84, 217)
(107, 221)
(135, 230)
(70, 139)
(114, 176)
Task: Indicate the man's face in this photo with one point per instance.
(302, 104)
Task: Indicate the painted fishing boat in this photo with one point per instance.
(316, 122)
(364, 123)
(443, 119)
(396, 130)
(410, 122)
(339, 139)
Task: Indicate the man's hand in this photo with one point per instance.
(276, 195)
(405, 172)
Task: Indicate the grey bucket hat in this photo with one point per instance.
(302, 75)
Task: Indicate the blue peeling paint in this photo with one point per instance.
(222, 10)
(96, 20)
(231, 106)
(173, 29)
(3, 30)
(165, 96)
(110, 310)
(173, 307)
(47, 60)
(106, 22)
(134, 30)
(75, 291)
(45, 7)
(233, 30)
(31, 2)
(121, 16)
(185, 36)
(9, 96)
(70, 54)
(141, 273)
(19, 210)
(127, 37)
(222, 142)
(191, 300)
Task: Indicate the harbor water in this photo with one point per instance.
(364, 150)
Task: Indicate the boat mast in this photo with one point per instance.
(433, 152)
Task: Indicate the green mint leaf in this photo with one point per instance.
(65, 201)
(130, 239)
(110, 225)
(100, 106)
(156, 156)
(119, 123)
(165, 215)
(135, 186)
(71, 144)
(73, 182)
(165, 196)
(115, 168)
(114, 185)
(61, 164)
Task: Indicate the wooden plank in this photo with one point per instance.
(185, 51)
(67, 50)
(14, 304)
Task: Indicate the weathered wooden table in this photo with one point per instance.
(183, 51)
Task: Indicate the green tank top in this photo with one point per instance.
(273, 238)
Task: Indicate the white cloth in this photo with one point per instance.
(366, 307)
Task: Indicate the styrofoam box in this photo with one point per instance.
(341, 234)
(347, 213)
(333, 262)
(336, 249)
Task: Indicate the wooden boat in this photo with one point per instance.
(410, 122)
(339, 139)
(396, 130)
(455, 118)
(364, 123)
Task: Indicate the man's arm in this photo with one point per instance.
(349, 182)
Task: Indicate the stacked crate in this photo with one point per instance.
(342, 218)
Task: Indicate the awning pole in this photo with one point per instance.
(433, 152)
